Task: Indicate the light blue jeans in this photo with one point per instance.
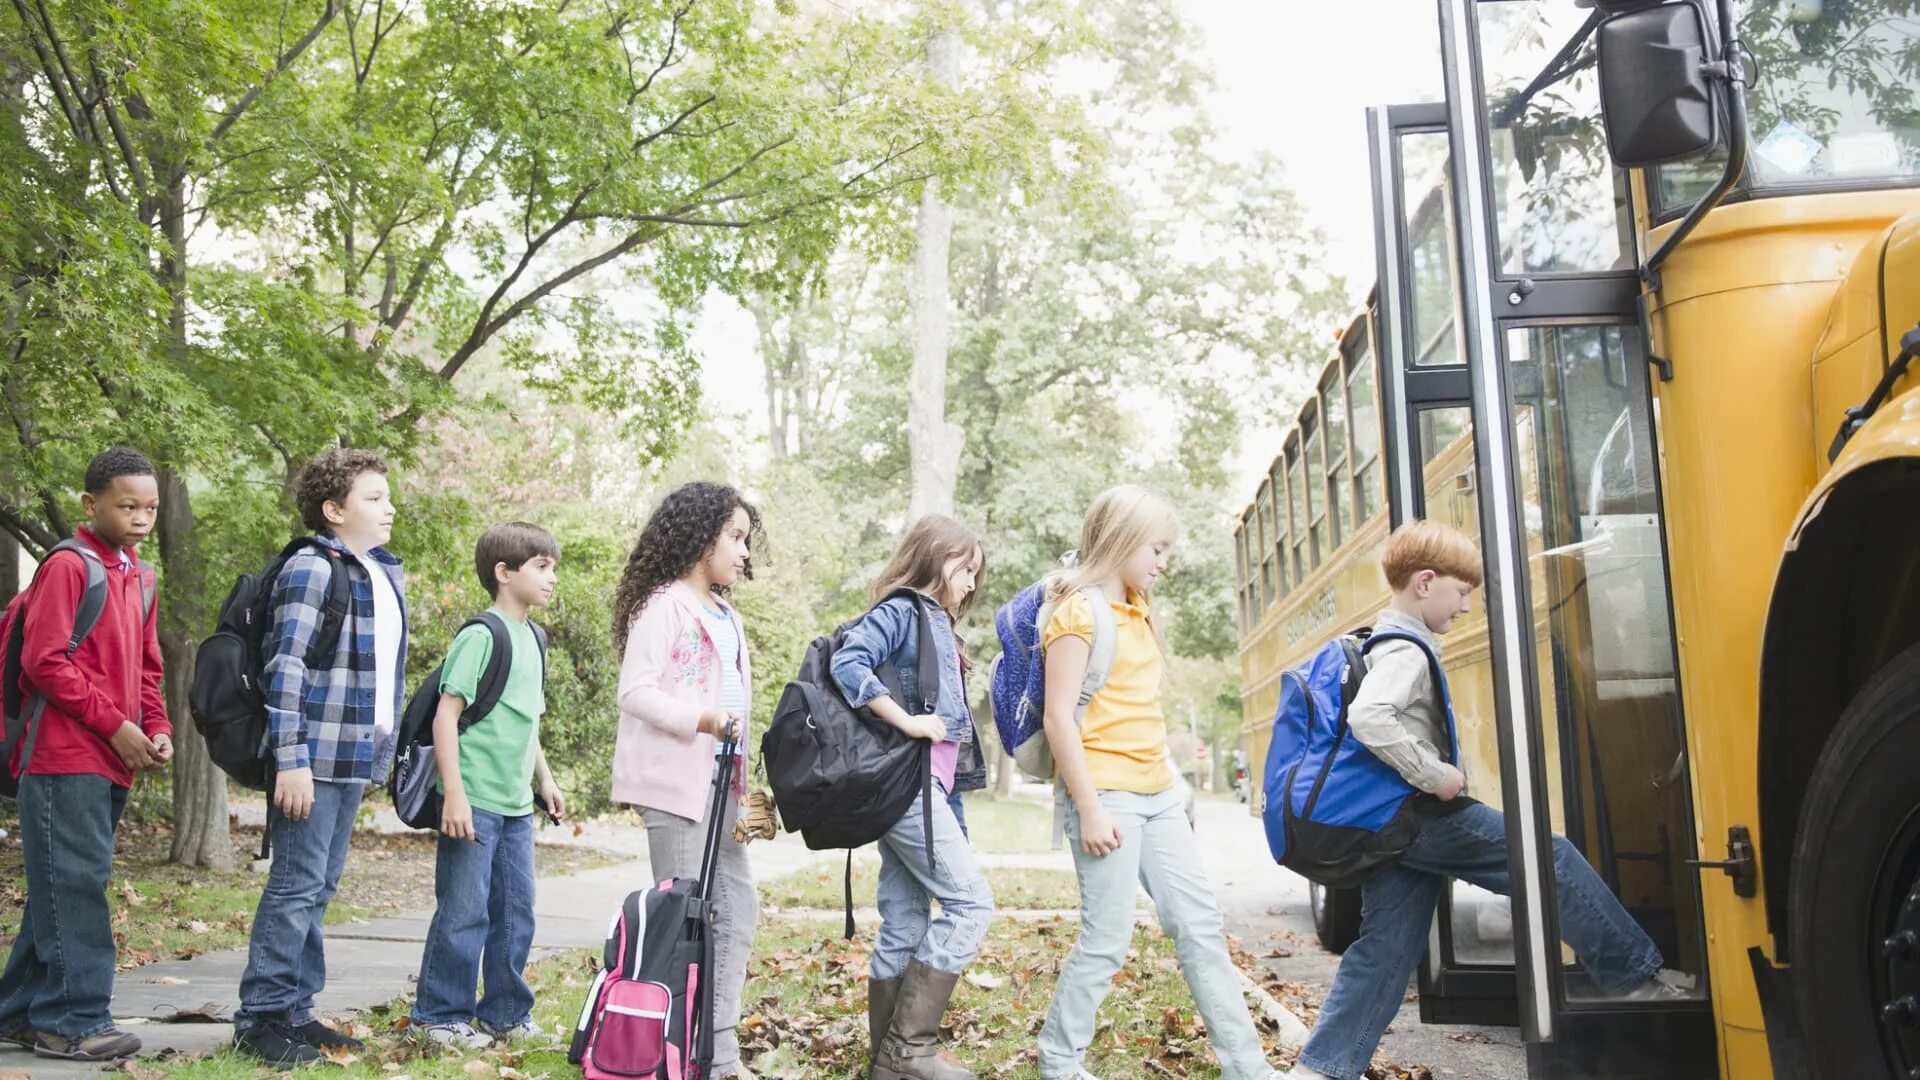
(1157, 849)
(908, 886)
(1396, 912)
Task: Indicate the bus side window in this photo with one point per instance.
(1363, 421)
(1297, 508)
(1333, 403)
(1240, 575)
(1263, 516)
(1276, 553)
(1316, 467)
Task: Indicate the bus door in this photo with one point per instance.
(1579, 695)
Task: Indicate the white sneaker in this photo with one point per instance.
(1666, 985)
(458, 1035)
(525, 1029)
(1298, 1072)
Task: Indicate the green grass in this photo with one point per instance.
(559, 985)
(1008, 826)
(162, 911)
(1014, 888)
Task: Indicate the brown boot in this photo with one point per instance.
(911, 1049)
(881, 996)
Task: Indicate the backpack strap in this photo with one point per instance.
(86, 615)
(1444, 698)
(93, 599)
(1105, 646)
(493, 681)
(333, 616)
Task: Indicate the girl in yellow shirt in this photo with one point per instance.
(1126, 809)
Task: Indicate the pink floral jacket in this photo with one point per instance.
(669, 676)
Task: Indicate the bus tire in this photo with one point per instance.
(1336, 916)
(1856, 861)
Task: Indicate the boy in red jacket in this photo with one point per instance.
(102, 721)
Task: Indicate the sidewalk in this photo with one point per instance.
(368, 963)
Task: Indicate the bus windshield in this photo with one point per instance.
(1834, 105)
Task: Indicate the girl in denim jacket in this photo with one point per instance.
(919, 957)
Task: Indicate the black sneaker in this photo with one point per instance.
(275, 1043)
(317, 1034)
(109, 1045)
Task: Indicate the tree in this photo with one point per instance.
(935, 441)
(391, 191)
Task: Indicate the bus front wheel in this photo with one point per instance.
(1336, 916)
(1855, 890)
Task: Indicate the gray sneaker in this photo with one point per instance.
(19, 1035)
(457, 1035)
(525, 1029)
(109, 1045)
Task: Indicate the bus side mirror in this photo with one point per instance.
(1659, 100)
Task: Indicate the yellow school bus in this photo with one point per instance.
(1648, 290)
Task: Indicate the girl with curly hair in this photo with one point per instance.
(684, 686)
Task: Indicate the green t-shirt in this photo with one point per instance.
(497, 753)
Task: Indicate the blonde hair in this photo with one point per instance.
(920, 562)
(1120, 522)
(1430, 545)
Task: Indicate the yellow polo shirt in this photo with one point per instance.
(1124, 730)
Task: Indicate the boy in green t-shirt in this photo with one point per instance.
(483, 878)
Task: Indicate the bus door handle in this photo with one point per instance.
(1738, 865)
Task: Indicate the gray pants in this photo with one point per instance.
(674, 843)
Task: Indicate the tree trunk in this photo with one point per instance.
(9, 568)
(933, 442)
(1003, 775)
(200, 836)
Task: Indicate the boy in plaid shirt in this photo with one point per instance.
(332, 731)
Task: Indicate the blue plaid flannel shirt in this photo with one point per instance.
(323, 718)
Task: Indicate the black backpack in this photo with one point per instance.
(228, 697)
(843, 776)
(415, 769)
(19, 711)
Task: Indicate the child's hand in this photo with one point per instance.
(133, 746)
(925, 726)
(721, 724)
(1452, 786)
(293, 793)
(556, 802)
(1098, 834)
(163, 748)
(456, 817)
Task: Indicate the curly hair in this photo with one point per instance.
(112, 464)
(329, 479)
(682, 530)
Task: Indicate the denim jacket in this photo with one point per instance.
(890, 634)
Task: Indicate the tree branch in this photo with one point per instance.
(54, 81)
(286, 61)
(32, 534)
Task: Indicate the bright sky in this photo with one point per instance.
(1295, 78)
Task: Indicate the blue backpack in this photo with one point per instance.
(1017, 678)
(1334, 813)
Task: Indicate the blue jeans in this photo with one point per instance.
(60, 976)
(908, 886)
(1157, 850)
(1397, 909)
(959, 807)
(484, 888)
(287, 954)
